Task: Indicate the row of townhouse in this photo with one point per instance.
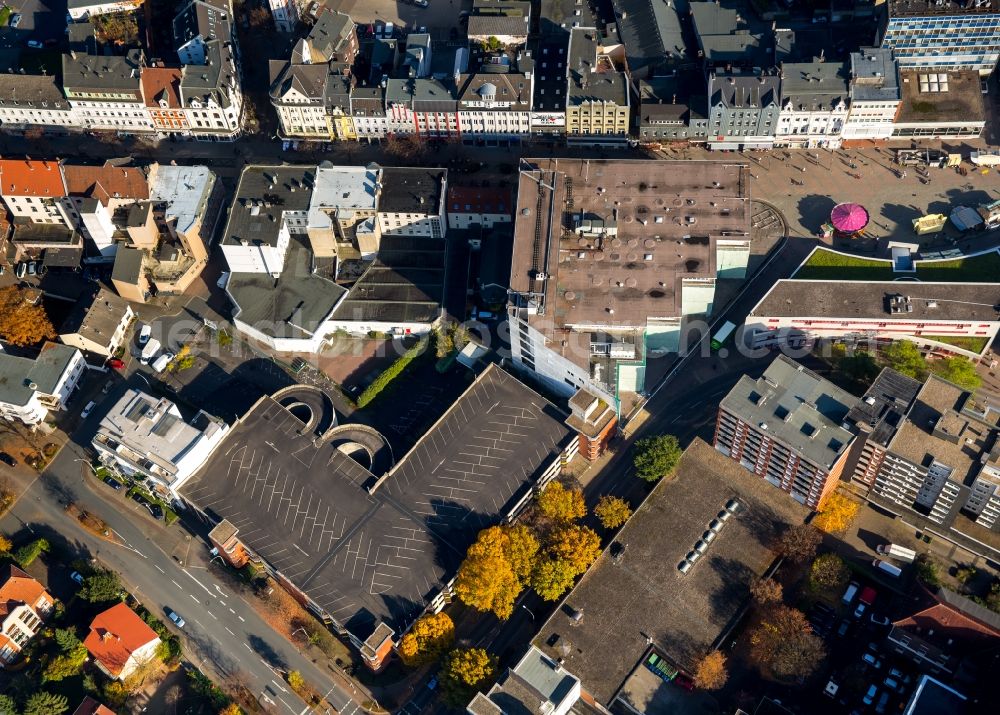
(496, 87)
(127, 93)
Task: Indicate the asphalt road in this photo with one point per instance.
(223, 634)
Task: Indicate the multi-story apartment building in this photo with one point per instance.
(211, 93)
(34, 100)
(673, 108)
(938, 105)
(198, 23)
(412, 202)
(30, 388)
(930, 450)
(149, 438)
(342, 212)
(95, 195)
(506, 20)
(161, 90)
(84, 9)
(32, 190)
(372, 121)
(876, 92)
(730, 38)
(602, 274)
(597, 93)
(105, 90)
(26, 606)
(483, 206)
(788, 427)
(743, 110)
(311, 91)
(814, 101)
(494, 107)
(940, 35)
(97, 326)
(942, 318)
(427, 104)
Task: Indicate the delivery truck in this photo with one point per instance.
(149, 351)
(888, 568)
(894, 551)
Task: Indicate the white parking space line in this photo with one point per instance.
(194, 599)
(212, 615)
(230, 632)
(177, 584)
(159, 569)
(248, 647)
(242, 619)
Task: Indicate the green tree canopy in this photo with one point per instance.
(67, 639)
(43, 703)
(958, 370)
(101, 586)
(904, 357)
(656, 457)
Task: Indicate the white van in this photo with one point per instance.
(890, 569)
(160, 364)
(897, 552)
(850, 593)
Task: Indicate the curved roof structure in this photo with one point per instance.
(849, 218)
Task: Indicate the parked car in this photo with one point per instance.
(872, 660)
(35, 44)
(684, 682)
(879, 620)
(155, 509)
(32, 268)
(7, 459)
(88, 409)
(860, 610)
(870, 695)
(843, 628)
(144, 333)
(107, 387)
(175, 617)
(116, 364)
(882, 703)
(15, 19)
(113, 483)
(77, 576)
(20, 269)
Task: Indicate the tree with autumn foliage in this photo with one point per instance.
(836, 513)
(765, 591)
(612, 511)
(22, 321)
(5, 545)
(799, 543)
(497, 568)
(463, 671)
(569, 551)
(711, 673)
(231, 709)
(828, 572)
(561, 504)
(784, 644)
(429, 637)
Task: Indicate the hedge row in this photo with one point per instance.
(391, 373)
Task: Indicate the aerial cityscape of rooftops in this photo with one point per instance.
(506, 357)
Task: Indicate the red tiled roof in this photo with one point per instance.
(115, 635)
(486, 200)
(946, 622)
(89, 706)
(18, 587)
(27, 177)
(165, 81)
(105, 182)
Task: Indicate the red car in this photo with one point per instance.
(116, 363)
(685, 682)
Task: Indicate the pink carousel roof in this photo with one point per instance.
(848, 218)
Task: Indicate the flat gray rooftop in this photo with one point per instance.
(799, 408)
(291, 306)
(263, 194)
(405, 283)
(642, 593)
(380, 556)
(868, 299)
(941, 97)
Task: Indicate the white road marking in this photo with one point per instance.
(194, 599)
(159, 569)
(279, 686)
(242, 619)
(213, 615)
(177, 584)
(232, 611)
(230, 632)
(199, 583)
(248, 647)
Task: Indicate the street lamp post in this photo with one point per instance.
(529, 611)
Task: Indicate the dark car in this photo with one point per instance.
(7, 459)
(156, 510)
(113, 483)
(684, 682)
